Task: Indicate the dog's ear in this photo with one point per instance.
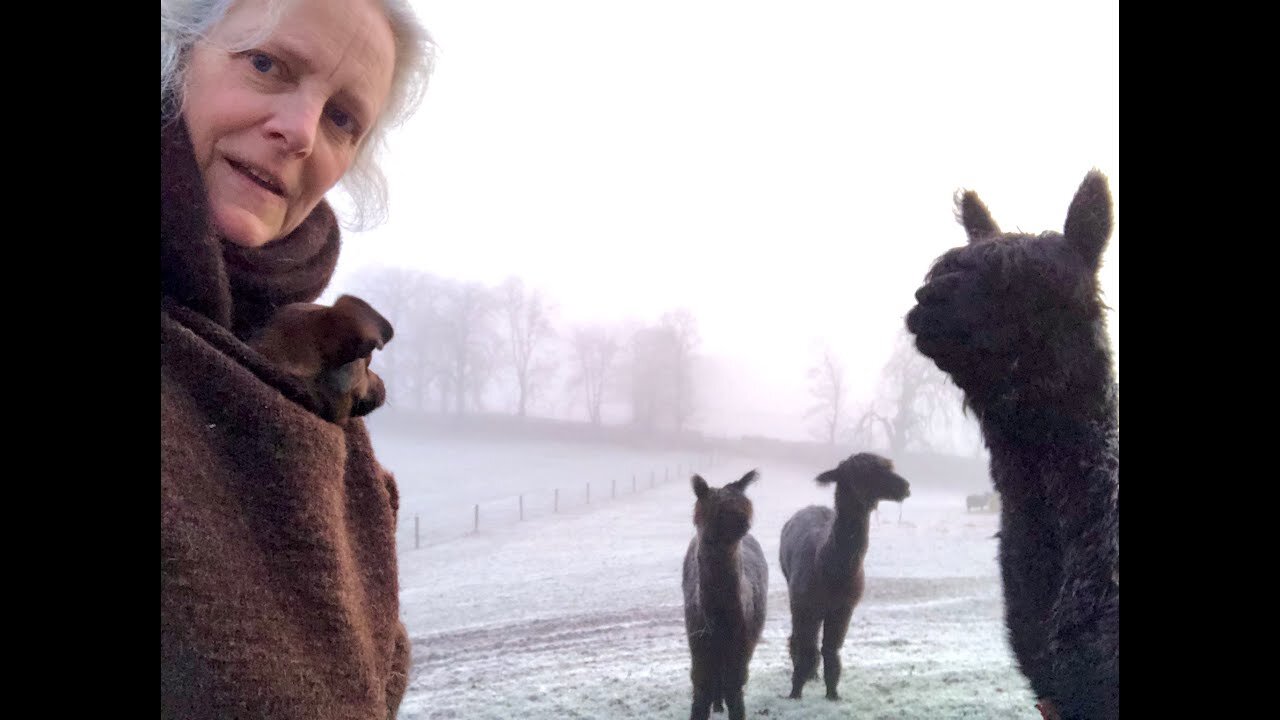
(362, 312)
(353, 330)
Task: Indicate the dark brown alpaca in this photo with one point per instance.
(726, 583)
(821, 554)
(1017, 322)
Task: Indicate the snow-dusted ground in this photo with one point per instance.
(578, 614)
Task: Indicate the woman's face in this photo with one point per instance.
(275, 127)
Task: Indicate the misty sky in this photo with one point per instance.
(784, 169)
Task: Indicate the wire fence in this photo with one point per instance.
(420, 529)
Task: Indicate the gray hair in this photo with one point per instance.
(183, 23)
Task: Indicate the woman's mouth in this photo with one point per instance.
(262, 178)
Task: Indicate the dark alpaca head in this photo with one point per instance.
(1014, 307)
(722, 515)
(863, 480)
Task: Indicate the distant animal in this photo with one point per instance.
(977, 502)
(726, 585)
(821, 553)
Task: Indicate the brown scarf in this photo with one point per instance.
(278, 579)
(219, 279)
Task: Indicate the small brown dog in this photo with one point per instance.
(329, 349)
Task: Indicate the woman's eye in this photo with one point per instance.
(262, 63)
(341, 119)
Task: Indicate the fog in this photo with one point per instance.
(783, 172)
(683, 236)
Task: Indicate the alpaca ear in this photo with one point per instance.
(1088, 223)
(828, 477)
(700, 487)
(975, 218)
(741, 483)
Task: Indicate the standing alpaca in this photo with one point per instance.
(1017, 322)
(726, 581)
(821, 555)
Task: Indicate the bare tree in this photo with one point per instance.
(648, 358)
(409, 299)
(918, 397)
(485, 362)
(594, 351)
(528, 328)
(684, 340)
(828, 389)
(467, 341)
(661, 364)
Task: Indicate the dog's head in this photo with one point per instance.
(329, 348)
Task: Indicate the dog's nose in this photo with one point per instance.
(371, 400)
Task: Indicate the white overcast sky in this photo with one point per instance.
(784, 169)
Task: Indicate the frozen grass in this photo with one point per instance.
(578, 614)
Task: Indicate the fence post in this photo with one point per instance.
(556, 507)
(613, 489)
(522, 507)
(633, 482)
(477, 517)
(415, 532)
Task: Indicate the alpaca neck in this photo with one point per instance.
(846, 542)
(720, 576)
(1041, 430)
(1054, 399)
(1064, 466)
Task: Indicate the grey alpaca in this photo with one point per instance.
(1017, 322)
(726, 584)
(821, 555)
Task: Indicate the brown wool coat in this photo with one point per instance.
(278, 586)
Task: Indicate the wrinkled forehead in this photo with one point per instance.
(348, 43)
(247, 23)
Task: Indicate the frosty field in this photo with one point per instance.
(577, 613)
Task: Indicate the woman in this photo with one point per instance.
(278, 587)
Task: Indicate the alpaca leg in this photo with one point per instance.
(717, 694)
(732, 683)
(833, 632)
(804, 650)
(704, 681)
(737, 708)
(701, 703)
